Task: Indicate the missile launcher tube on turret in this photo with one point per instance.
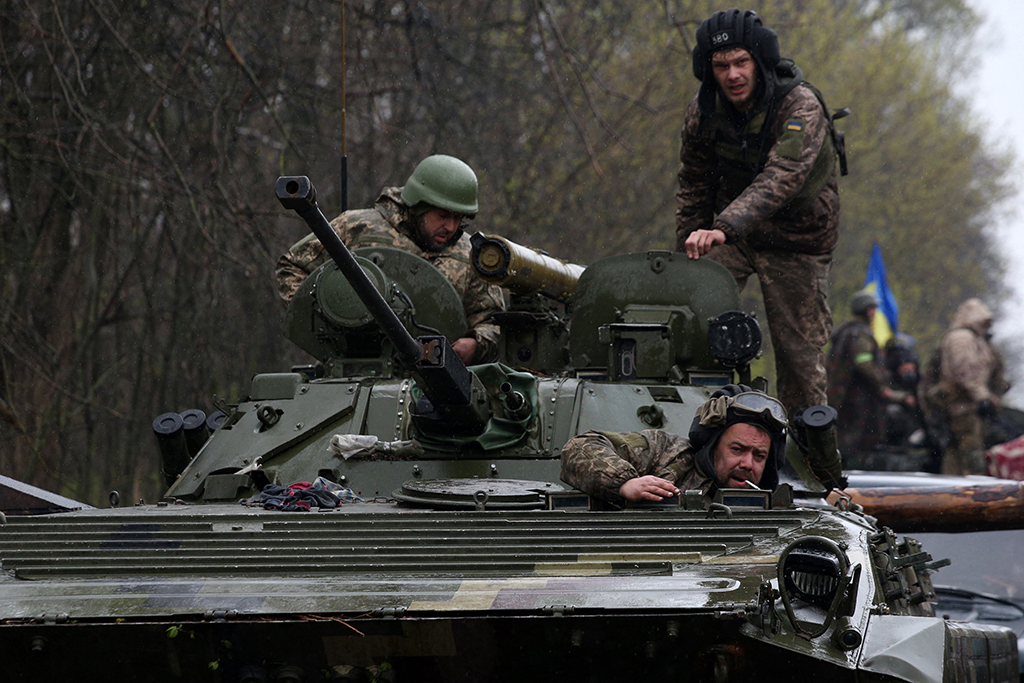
(523, 270)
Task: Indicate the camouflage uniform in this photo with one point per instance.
(857, 383)
(391, 224)
(780, 222)
(970, 374)
(599, 463)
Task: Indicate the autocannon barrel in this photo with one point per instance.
(297, 193)
(521, 269)
(453, 391)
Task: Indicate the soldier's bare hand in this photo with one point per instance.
(465, 348)
(648, 487)
(700, 242)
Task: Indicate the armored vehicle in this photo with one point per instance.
(388, 514)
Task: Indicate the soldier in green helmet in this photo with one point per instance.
(425, 217)
(859, 385)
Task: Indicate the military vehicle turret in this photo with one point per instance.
(427, 536)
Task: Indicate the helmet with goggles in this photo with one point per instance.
(715, 411)
(733, 404)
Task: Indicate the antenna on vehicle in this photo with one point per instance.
(344, 136)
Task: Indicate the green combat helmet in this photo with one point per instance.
(445, 182)
(862, 301)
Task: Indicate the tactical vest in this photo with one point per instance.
(742, 156)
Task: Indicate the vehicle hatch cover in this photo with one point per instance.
(496, 494)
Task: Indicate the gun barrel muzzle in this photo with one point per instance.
(523, 270)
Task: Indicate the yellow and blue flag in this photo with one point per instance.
(886, 321)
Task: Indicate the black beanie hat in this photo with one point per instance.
(728, 29)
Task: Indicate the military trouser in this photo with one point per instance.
(794, 287)
(965, 453)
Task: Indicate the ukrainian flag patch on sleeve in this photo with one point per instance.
(795, 125)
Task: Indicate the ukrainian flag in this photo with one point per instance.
(887, 317)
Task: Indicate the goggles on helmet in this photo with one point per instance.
(757, 403)
(713, 413)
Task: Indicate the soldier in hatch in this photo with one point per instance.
(426, 217)
(736, 440)
(758, 192)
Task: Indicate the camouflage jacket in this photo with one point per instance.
(780, 207)
(855, 374)
(599, 463)
(971, 367)
(390, 223)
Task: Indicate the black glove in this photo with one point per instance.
(986, 408)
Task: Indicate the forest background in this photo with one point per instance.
(140, 141)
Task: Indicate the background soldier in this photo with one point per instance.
(737, 438)
(858, 386)
(425, 217)
(962, 387)
(758, 191)
(904, 421)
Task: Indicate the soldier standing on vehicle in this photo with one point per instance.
(736, 440)
(758, 191)
(963, 385)
(858, 386)
(426, 218)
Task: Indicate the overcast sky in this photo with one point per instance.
(997, 93)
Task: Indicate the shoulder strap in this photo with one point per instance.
(838, 136)
(782, 88)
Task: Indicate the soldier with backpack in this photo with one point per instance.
(758, 190)
(962, 386)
